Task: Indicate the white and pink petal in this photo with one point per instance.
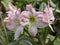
(32, 30)
(19, 31)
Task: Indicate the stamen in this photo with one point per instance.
(51, 28)
(32, 19)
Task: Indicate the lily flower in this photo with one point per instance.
(48, 17)
(32, 19)
(16, 19)
(37, 19)
(13, 21)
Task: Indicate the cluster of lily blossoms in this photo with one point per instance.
(16, 20)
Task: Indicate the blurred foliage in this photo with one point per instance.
(5, 3)
(43, 34)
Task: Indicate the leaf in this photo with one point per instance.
(42, 6)
(52, 4)
(5, 3)
(57, 41)
(50, 37)
(22, 41)
(57, 26)
(43, 34)
(25, 42)
(1, 42)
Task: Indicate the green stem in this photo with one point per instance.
(39, 39)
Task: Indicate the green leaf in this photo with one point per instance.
(42, 6)
(52, 4)
(25, 42)
(22, 41)
(1, 42)
(43, 34)
(57, 41)
(57, 26)
(5, 3)
(50, 37)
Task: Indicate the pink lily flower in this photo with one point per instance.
(37, 19)
(48, 17)
(32, 19)
(13, 21)
(16, 19)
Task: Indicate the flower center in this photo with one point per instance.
(32, 19)
(18, 22)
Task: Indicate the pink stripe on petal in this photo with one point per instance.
(30, 8)
(45, 20)
(11, 6)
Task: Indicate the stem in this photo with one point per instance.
(4, 27)
(31, 38)
(40, 42)
(51, 28)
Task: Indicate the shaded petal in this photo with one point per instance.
(19, 31)
(49, 12)
(41, 24)
(25, 17)
(18, 12)
(41, 20)
(39, 15)
(25, 14)
(32, 30)
(11, 25)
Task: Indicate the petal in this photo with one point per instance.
(40, 15)
(11, 25)
(32, 30)
(11, 6)
(25, 17)
(41, 20)
(30, 8)
(18, 12)
(49, 11)
(25, 14)
(19, 31)
(41, 24)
